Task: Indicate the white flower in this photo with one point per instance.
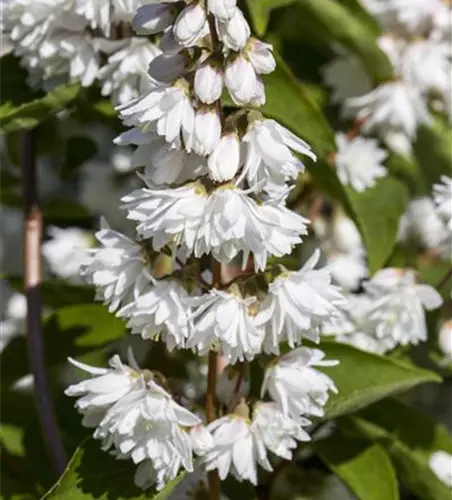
(83, 58)
(347, 77)
(207, 130)
(190, 25)
(391, 105)
(294, 383)
(398, 306)
(65, 252)
(116, 269)
(234, 32)
(224, 162)
(241, 79)
(348, 269)
(227, 320)
(359, 162)
(208, 82)
(201, 439)
(150, 19)
(167, 215)
(103, 389)
(222, 9)
(160, 311)
(442, 195)
(164, 163)
(421, 223)
(168, 106)
(260, 56)
(138, 419)
(345, 236)
(440, 463)
(268, 152)
(236, 449)
(278, 432)
(445, 339)
(297, 304)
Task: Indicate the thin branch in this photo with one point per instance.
(32, 280)
(445, 279)
(235, 398)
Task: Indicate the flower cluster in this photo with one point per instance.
(81, 40)
(216, 183)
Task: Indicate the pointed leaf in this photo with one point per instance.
(365, 467)
(93, 473)
(410, 437)
(260, 11)
(363, 378)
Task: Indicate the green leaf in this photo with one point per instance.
(29, 114)
(58, 210)
(365, 467)
(69, 331)
(79, 149)
(289, 103)
(260, 12)
(377, 212)
(363, 378)
(410, 437)
(93, 473)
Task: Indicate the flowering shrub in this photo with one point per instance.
(273, 228)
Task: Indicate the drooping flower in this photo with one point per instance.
(224, 162)
(208, 82)
(65, 251)
(269, 148)
(297, 304)
(116, 269)
(296, 385)
(191, 24)
(207, 130)
(160, 312)
(226, 320)
(222, 9)
(398, 306)
(359, 162)
(153, 18)
(234, 32)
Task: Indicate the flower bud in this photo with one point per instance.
(241, 80)
(235, 32)
(208, 82)
(201, 440)
(222, 9)
(207, 130)
(260, 55)
(445, 339)
(167, 67)
(189, 25)
(224, 162)
(150, 19)
(168, 43)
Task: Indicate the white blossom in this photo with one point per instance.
(224, 162)
(348, 269)
(65, 251)
(269, 154)
(222, 9)
(391, 105)
(234, 32)
(297, 304)
(440, 462)
(208, 82)
(236, 449)
(442, 195)
(201, 439)
(169, 107)
(125, 77)
(359, 162)
(241, 79)
(445, 339)
(207, 130)
(97, 13)
(190, 25)
(398, 306)
(296, 385)
(226, 320)
(153, 18)
(261, 56)
(167, 67)
(116, 269)
(160, 312)
(279, 432)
